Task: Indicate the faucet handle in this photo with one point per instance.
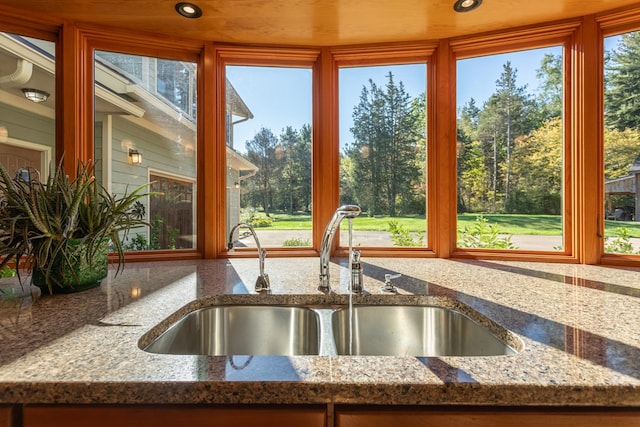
(263, 283)
(388, 284)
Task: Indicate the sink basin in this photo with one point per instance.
(242, 330)
(377, 330)
(402, 330)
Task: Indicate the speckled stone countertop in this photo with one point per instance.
(579, 328)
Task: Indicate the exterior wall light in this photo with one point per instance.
(135, 156)
(35, 95)
(188, 10)
(466, 5)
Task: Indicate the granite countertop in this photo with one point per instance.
(579, 327)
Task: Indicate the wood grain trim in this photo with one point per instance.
(487, 418)
(33, 24)
(518, 39)
(208, 154)
(564, 34)
(141, 43)
(325, 160)
(442, 166)
(609, 24)
(321, 127)
(509, 255)
(172, 415)
(73, 95)
(405, 53)
(619, 20)
(587, 76)
(8, 416)
(373, 55)
(269, 56)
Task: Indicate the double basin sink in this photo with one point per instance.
(372, 330)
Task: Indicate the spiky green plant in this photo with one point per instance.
(42, 225)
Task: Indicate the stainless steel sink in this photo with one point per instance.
(242, 330)
(376, 330)
(412, 331)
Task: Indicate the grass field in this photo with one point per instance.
(544, 225)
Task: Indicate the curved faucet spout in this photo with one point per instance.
(262, 283)
(346, 211)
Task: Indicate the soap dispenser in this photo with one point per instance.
(356, 273)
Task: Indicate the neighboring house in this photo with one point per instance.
(627, 185)
(27, 129)
(144, 105)
(238, 168)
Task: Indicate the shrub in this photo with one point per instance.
(296, 241)
(138, 243)
(481, 234)
(400, 236)
(621, 243)
(261, 221)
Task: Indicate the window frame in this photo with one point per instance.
(610, 24)
(567, 36)
(391, 54)
(264, 57)
(88, 41)
(583, 38)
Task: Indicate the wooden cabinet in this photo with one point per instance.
(535, 417)
(7, 416)
(172, 416)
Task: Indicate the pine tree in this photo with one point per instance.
(510, 112)
(622, 97)
(387, 131)
(261, 151)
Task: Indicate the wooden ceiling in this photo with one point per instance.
(315, 22)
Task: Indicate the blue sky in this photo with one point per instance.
(280, 97)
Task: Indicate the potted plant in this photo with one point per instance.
(61, 230)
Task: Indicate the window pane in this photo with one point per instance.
(383, 153)
(510, 150)
(622, 144)
(27, 104)
(268, 116)
(145, 130)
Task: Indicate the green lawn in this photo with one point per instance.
(549, 225)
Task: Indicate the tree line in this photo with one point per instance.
(283, 180)
(510, 151)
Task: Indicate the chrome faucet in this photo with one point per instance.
(262, 282)
(346, 211)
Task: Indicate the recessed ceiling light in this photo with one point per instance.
(188, 10)
(466, 5)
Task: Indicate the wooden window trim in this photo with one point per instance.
(609, 24)
(389, 54)
(308, 58)
(566, 35)
(74, 130)
(80, 43)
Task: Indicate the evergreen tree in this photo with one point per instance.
(293, 155)
(261, 151)
(551, 86)
(622, 97)
(387, 131)
(510, 112)
(467, 131)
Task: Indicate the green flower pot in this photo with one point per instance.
(81, 273)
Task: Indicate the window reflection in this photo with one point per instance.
(145, 130)
(27, 125)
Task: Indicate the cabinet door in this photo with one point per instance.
(172, 416)
(6, 416)
(462, 418)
